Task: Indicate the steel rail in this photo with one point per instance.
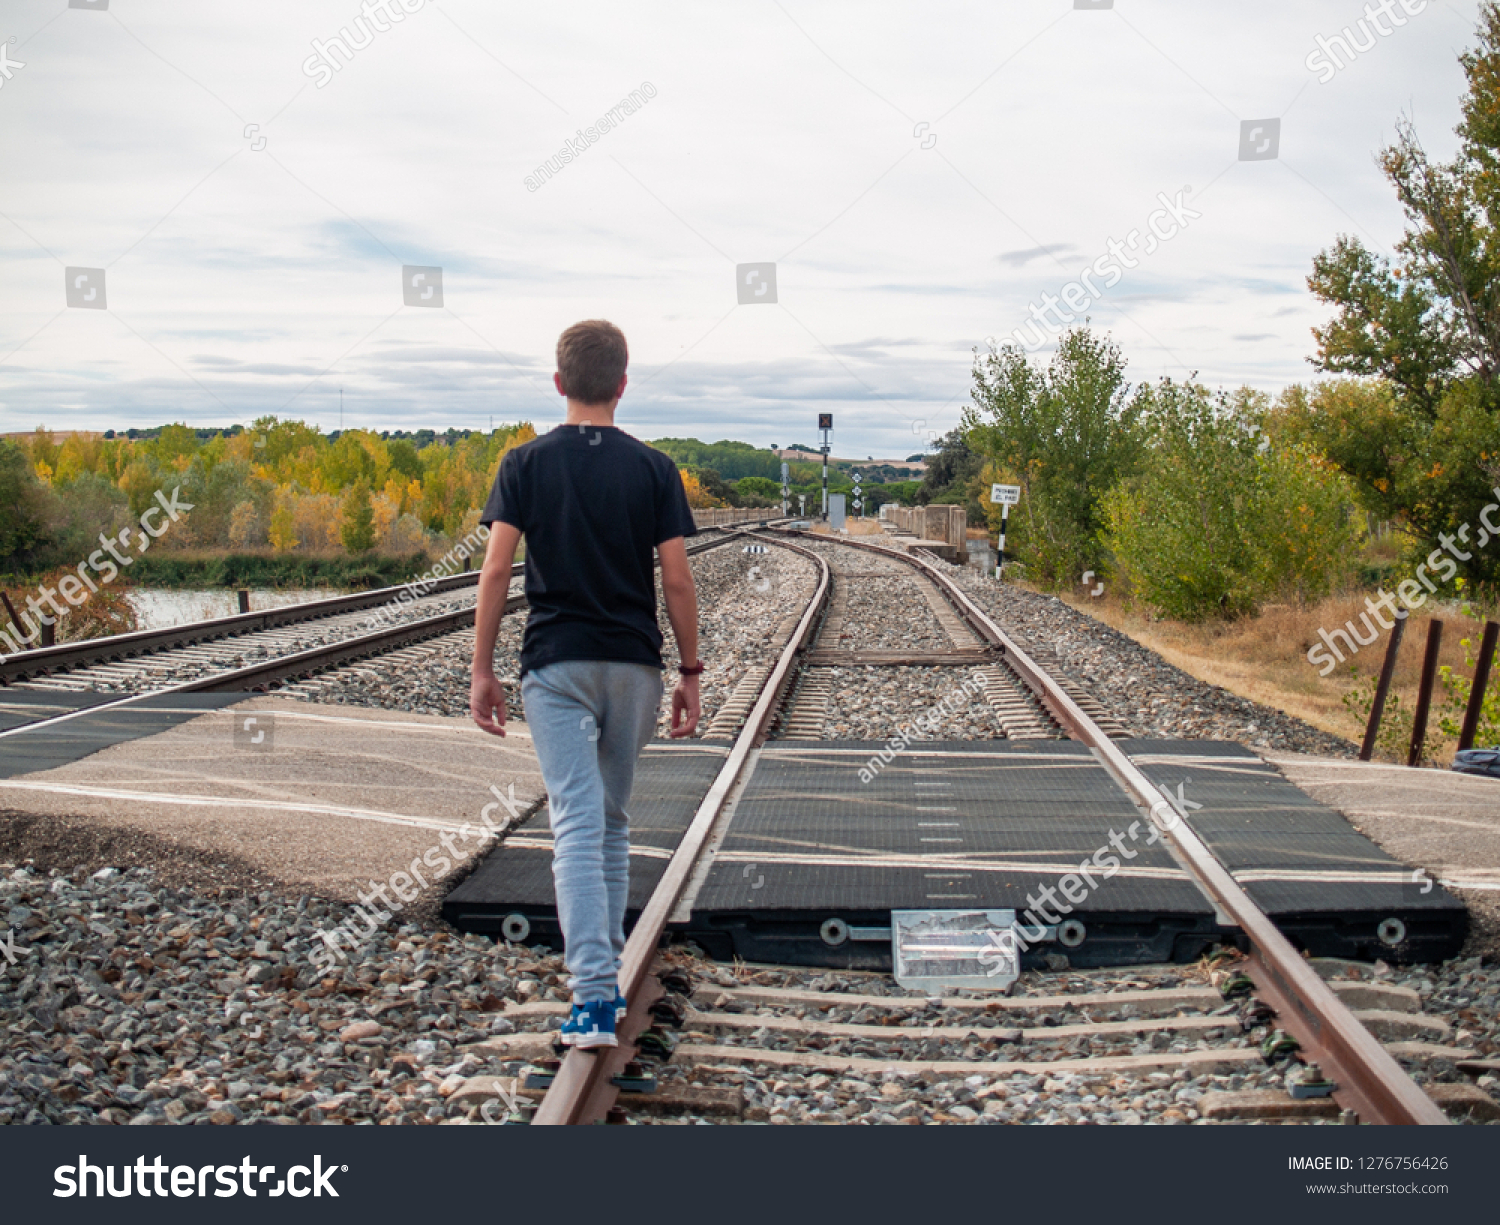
(260, 676)
(64, 657)
(42, 661)
(583, 1090)
(1370, 1083)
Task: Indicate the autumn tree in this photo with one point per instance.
(697, 496)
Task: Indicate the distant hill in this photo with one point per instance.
(815, 457)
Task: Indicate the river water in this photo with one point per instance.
(161, 607)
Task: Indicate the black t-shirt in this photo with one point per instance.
(593, 504)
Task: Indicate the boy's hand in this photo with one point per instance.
(685, 707)
(487, 704)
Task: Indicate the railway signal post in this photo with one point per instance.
(1005, 496)
(825, 423)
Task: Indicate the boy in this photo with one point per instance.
(592, 503)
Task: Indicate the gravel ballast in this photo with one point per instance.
(130, 1001)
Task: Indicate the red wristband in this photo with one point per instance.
(695, 670)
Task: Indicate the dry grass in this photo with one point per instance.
(1264, 658)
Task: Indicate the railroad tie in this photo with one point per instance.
(1090, 705)
(954, 626)
(808, 710)
(730, 717)
(783, 632)
(1015, 709)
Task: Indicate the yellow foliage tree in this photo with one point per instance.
(697, 496)
(317, 517)
(283, 528)
(387, 513)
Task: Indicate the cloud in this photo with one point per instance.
(271, 275)
(1024, 256)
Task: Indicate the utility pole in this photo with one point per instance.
(341, 410)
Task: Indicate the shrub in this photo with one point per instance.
(1221, 517)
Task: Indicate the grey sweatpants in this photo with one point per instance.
(589, 720)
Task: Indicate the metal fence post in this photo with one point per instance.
(1481, 683)
(1382, 687)
(1424, 694)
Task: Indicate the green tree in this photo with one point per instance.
(1421, 439)
(1220, 515)
(758, 490)
(951, 473)
(731, 460)
(357, 529)
(404, 459)
(23, 513)
(1066, 433)
(174, 442)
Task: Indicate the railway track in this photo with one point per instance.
(138, 662)
(1269, 988)
(223, 651)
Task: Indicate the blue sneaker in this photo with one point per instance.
(589, 1025)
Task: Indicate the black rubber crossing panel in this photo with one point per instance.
(47, 746)
(22, 706)
(1301, 861)
(516, 876)
(829, 830)
(836, 830)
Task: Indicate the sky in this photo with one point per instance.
(907, 183)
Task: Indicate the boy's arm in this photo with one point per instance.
(682, 611)
(486, 697)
